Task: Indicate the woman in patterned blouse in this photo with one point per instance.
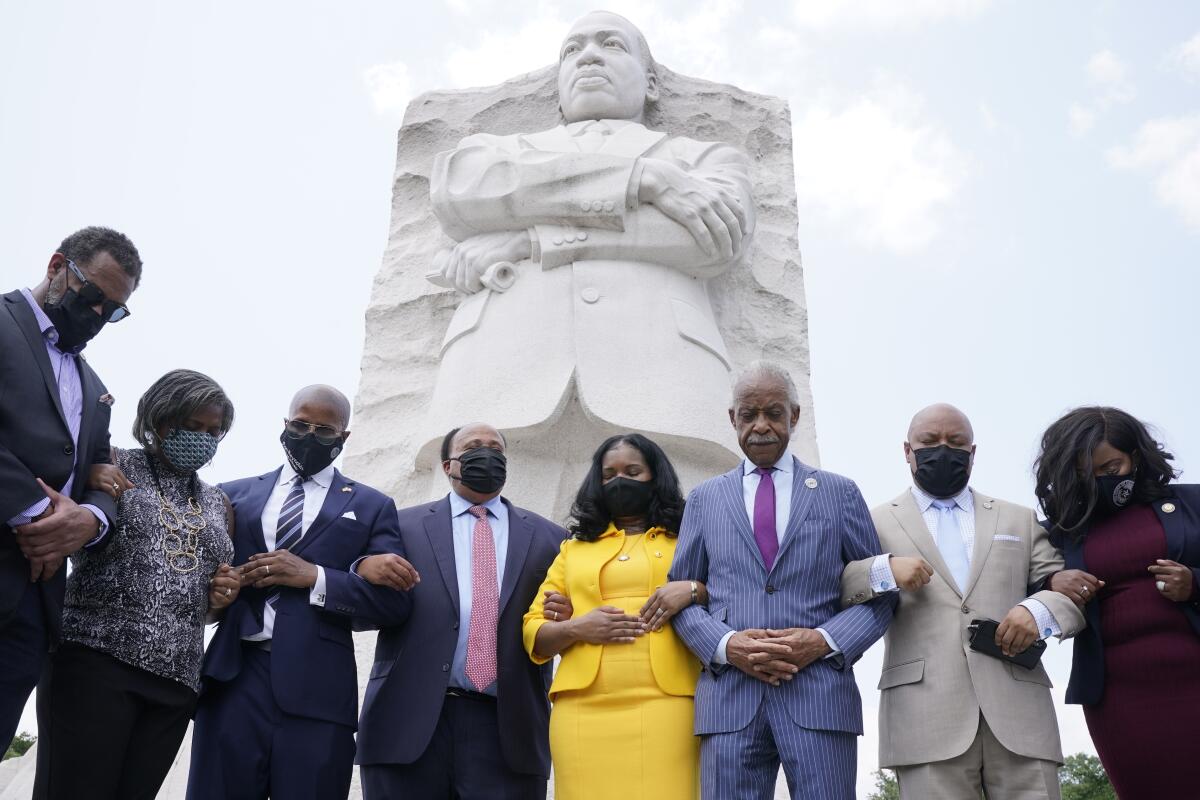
(124, 681)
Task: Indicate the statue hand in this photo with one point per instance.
(470, 258)
(712, 215)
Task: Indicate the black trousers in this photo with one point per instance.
(22, 654)
(463, 762)
(109, 731)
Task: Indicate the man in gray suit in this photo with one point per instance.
(954, 722)
(770, 539)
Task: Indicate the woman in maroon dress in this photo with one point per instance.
(1105, 486)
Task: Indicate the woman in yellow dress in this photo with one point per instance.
(621, 724)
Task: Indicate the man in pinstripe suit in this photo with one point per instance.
(770, 540)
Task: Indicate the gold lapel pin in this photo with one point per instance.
(1168, 508)
(658, 555)
(811, 483)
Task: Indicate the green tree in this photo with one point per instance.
(1083, 778)
(886, 787)
(20, 743)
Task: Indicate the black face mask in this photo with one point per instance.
(75, 321)
(626, 497)
(308, 456)
(942, 471)
(483, 470)
(1113, 492)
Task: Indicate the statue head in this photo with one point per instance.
(605, 70)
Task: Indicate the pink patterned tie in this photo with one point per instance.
(485, 604)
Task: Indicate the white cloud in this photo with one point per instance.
(500, 55)
(1111, 86)
(829, 14)
(878, 169)
(390, 87)
(1186, 57)
(1168, 148)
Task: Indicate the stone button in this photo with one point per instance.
(558, 240)
(582, 236)
(590, 295)
(570, 237)
(69, 450)
(608, 205)
(586, 205)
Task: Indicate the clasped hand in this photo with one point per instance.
(223, 587)
(774, 656)
(464, 264)
(56, 533)
(712, 214)
(388, 569)
(277, 568)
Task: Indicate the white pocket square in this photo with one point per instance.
(1004, 537)
(349, 515)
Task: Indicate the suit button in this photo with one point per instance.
(454, 627)
(966, 610)
(445, 667)
(590, 295)
(69, 450)
(770, 589)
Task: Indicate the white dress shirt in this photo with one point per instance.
(463, 528)
(782, 477)
(882, 579)
(315, 490)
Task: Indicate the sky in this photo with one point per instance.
(999, 202)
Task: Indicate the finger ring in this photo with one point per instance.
(1084, 589)
(555, 616)
(116, 487)
(228, 591)
(1161, 585)
(268, 568)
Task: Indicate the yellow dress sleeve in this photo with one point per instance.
(556, 581)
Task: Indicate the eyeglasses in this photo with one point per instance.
(91, 294)
(323, 433)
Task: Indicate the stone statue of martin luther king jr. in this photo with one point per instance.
(614, 230)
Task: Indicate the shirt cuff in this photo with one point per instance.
(635, 185)
(834, 650)
(1047, 625)
(882, 579)
(317, 596)
(719, 657)
(103, 520)
(535, 247)
(26, 516)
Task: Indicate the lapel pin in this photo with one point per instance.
(810, 483)
(987, 504)
(107, 399)
(347, 489)
(1168, 508)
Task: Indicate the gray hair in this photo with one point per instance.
(173, 398)
(85, 244)
(766, 369)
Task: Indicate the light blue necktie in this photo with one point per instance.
(951, 544)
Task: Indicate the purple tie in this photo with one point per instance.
(764, 516)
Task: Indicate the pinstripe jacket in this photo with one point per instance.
(829, 526)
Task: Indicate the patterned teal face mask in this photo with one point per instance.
(188, 451)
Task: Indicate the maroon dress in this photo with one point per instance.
(1144, 726)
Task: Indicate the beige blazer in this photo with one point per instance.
(933, 686)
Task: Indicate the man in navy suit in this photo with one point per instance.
(279, 707)
(770, 540)
(455, 709)
(54, 414)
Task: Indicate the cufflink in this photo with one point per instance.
(1045, 633)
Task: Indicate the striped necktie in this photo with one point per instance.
(290, 528)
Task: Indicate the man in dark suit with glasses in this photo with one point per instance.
(54, 415)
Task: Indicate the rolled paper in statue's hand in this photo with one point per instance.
(498, 277)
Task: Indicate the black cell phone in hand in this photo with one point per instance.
(983, 640)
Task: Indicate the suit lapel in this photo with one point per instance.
(731, 487)
(520, 534)
(554, 140)
(440, 532)
(91, 397)
(337, 498)
(254, 506)
(1174, 524)
(27, 322)
(802, 500)
(987, 519)
(904, 509)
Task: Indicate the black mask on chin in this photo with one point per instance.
(75, 321)
(942, 471)
(308, 456)
(483, 470)
(626, 497)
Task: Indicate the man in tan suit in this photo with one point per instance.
(954, 722)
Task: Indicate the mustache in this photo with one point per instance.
(762, 440)
(590, 71)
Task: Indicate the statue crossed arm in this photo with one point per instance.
(683, 204)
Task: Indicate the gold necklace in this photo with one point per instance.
(625, 553)
(181, 538)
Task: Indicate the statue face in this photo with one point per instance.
(602, 72)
